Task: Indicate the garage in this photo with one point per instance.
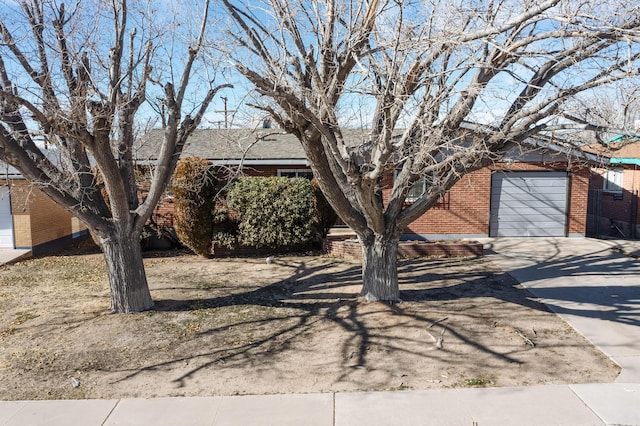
(529, 204)
(6, 221)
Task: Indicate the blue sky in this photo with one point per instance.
(495, 101)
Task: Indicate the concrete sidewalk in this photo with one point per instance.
(13, 255)
(590, 283)
(535, 406)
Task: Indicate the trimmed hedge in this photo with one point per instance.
(194, 189)
(273, 212)
(257, 212)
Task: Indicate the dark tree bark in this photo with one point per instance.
(57, 84)
(380, 268)
(129, 290)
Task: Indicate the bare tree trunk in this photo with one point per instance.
(127, 278)
(379, 268)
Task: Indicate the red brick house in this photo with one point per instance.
(263, 152)
(542, 192)
(614, 207)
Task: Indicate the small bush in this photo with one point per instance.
(225, 225)
(273, 212)
(194, 189)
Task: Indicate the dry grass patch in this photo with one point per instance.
(242, 326)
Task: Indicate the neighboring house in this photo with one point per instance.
(31, 220)
(614, 208)
(542, 192)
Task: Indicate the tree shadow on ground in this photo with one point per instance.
(314, 294)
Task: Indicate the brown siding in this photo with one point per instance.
(37, 219)
(21, 208)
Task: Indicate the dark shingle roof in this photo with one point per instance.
(235, 144)
(228, 144)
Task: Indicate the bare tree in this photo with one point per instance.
(413, 73)
(72, 81)
(617, 109)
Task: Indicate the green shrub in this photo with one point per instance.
(194, 189)
(225, 225)
(273, 212)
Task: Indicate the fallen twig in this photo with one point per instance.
(440, 340)
(439, 321)
(526, 339)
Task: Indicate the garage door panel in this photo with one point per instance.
(515, 217)
(531, 202)
(528, 204)
(532, 231)
(6, 221)
(526, 200)
(527, 185)
(537, 191)
(536, 195)
(543, 223)
(532, 190)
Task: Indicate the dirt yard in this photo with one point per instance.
(242, 326)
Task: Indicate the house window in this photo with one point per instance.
(613, 180)
(417, 189)
(296, 173)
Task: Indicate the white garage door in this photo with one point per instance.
(6, 221)
(528, 204)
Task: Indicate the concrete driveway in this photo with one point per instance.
(592, 284)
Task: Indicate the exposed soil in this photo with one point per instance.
(243, 326)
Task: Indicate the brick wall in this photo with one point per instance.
(49, 221)
(351, 249)
(611, 213)
(37, 219)
(463, 210)
(578, 200)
